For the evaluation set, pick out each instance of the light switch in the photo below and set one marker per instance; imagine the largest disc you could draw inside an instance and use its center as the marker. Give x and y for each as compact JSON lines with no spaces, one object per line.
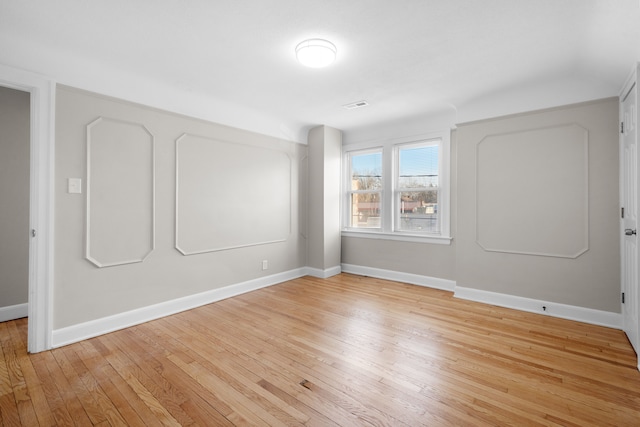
{"x":74,"y":186}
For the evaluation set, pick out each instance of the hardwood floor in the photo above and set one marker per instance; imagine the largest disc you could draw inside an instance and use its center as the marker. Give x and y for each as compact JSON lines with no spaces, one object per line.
{"x":347,"y":351}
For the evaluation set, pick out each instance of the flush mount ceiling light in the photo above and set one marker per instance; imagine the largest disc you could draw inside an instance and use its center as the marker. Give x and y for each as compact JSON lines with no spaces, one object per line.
{"x":316,"y":53}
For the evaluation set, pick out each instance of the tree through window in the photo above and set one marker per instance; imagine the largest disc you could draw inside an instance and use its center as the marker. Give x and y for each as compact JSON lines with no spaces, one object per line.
{"x":398,"y":189}
{"x":417,"y":188}
{"x":366,"y":189}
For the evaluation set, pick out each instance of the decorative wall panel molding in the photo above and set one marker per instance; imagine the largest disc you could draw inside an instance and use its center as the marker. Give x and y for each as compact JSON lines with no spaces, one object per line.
{"x":212,"y":215}
{"x":120,"y":222}
{"x":303,"y":196}
{"x":532,"y":194}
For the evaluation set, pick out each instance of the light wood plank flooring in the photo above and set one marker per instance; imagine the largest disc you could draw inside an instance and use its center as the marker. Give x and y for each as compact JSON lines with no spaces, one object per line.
{"x":346,"y":351}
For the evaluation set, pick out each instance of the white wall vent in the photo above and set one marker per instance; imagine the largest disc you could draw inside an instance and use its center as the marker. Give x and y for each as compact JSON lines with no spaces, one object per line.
{"x":358,"y":104}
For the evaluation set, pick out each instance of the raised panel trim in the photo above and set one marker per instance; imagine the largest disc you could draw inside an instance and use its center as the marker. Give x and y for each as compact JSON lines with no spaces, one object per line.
{"x":187,"y":252}
{"x":88,"y":256}
{"x":581,"y":250}
{"x":303,"y":203}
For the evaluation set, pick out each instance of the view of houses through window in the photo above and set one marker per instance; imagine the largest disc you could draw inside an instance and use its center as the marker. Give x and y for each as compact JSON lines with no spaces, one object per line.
{"x":366,"y":189}
{"x":414,"y":188}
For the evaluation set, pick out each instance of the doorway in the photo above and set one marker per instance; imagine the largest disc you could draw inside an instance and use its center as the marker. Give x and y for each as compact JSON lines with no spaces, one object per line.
{"x":41,"y":92}
{"x":14,"y":203}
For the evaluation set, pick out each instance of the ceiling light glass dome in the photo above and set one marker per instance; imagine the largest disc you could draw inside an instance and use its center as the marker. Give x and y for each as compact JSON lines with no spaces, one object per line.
{"x":316,"y":53}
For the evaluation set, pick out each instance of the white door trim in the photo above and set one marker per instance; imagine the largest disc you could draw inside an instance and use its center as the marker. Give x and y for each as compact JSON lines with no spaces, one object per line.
{"x":41,"y":201}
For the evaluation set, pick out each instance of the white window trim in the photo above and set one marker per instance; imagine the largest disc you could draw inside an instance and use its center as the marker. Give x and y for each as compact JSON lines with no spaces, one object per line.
{"x":347,"y":190}
{"x":396,"y":188}
{"x":389,"y":162}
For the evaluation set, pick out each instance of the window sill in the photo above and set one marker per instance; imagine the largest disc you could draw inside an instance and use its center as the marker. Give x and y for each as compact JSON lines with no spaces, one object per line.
{"x":403,"y":237}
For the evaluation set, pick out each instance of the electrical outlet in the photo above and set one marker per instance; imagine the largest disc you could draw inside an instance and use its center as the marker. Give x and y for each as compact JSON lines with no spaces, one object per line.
{"x":265,"y":264}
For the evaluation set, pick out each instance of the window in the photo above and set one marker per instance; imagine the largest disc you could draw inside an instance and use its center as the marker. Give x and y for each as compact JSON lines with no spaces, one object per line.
{"x":365,"y":189}
{"x":398,"y":189}
{"x":416,"y":188}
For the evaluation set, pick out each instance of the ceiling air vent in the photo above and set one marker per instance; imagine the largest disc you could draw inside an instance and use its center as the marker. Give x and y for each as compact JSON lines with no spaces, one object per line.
{"x":354,"y":105}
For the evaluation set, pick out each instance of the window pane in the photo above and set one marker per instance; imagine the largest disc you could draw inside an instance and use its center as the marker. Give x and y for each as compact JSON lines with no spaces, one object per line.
{"x":418,"y":167}
{"x":418,"y":211}
{"x":366,"y":171}
{"x":365,"y":210}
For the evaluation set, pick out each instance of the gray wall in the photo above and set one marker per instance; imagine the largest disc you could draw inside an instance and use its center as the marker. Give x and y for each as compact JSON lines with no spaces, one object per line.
{"x":94,"y":277}
{"x":538,"y":211}
{"x":555,"y":240}
{"x":432,"y":260}
{"x":125,"y":249}
{"x":14,"y":197}
{"x":325,"y":145}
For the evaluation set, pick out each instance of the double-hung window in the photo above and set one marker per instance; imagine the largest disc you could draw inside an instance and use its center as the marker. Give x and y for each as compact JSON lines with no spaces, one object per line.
{"x":365,"y":188}
{"x":398,"y":189}
{"x":416,"y":187}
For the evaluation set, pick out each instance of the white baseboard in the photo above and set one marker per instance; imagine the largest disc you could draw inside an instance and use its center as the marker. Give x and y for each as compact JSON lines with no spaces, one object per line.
{"x":414,"y":279}
{"x":563,"y":311}
{"x":323,"y":274}
{"x":93,"y":328}
{"x":14,"y":312}
{"x":570,"y":312}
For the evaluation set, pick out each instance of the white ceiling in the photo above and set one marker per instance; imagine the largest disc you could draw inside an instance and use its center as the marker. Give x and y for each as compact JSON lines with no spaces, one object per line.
{"x":233,"y":61}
